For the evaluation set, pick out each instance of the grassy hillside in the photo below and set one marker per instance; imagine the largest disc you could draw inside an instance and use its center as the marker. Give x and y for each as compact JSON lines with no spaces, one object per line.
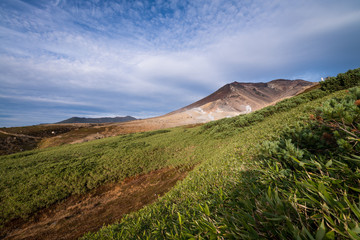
{"x":219,"y":199}
{"x":35,"y":179}
{"x":235,"y":192}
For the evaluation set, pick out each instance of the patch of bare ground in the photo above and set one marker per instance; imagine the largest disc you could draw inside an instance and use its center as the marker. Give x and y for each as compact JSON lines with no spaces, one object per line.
{"x":73,"y":217}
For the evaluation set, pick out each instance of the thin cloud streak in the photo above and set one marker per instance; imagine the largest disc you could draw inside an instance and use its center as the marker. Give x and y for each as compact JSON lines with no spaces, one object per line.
{"x":46,"y":100}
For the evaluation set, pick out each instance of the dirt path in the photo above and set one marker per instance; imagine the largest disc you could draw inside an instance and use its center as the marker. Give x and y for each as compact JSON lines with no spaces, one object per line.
{"x":80,"y":214}
{"x":18,"y":135}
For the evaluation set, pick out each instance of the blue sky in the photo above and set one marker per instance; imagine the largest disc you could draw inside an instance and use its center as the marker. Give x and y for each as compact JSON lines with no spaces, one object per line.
{"x":60,"y":58}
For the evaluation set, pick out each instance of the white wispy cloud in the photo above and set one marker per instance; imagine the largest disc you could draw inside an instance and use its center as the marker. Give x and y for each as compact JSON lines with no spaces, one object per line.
{"x":167,"y":52}
{"x":46,"y":100}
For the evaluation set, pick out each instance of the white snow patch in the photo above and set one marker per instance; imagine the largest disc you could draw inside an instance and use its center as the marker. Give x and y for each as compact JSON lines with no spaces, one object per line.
{"x":248,"y":109}
{"x":200,"y":110}
{"x":211,"y":117}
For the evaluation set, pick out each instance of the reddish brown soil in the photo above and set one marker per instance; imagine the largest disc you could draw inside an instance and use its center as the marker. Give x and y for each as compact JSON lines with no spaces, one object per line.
{"x":77,"y":215}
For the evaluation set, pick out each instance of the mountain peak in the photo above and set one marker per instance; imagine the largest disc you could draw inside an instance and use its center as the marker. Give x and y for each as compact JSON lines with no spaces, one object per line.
{"x":238,"y":98}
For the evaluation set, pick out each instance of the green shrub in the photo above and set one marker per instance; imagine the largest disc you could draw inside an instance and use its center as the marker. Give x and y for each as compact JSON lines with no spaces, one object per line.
{"x":342,"y":81}
{"x":314,"y":170}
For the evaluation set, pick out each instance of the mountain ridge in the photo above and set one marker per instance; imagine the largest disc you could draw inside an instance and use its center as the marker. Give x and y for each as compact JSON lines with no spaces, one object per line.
{"x":97,"y":120}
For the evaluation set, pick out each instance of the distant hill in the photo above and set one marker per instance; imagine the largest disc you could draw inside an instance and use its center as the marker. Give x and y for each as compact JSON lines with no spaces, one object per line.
{"x":98,"y":120}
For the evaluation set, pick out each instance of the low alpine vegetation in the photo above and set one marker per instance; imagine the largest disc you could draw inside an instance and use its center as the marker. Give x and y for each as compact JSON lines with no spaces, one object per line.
{"x":342,"y":81}
{"x":312,"y":176}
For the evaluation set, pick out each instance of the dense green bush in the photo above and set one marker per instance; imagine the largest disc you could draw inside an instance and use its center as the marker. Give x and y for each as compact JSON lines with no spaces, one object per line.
{"x":342,"y":81}
{"x":311,"y":179}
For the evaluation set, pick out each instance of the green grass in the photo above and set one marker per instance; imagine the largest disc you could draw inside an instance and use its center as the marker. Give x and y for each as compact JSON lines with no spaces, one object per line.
{"x":36,"y":179}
